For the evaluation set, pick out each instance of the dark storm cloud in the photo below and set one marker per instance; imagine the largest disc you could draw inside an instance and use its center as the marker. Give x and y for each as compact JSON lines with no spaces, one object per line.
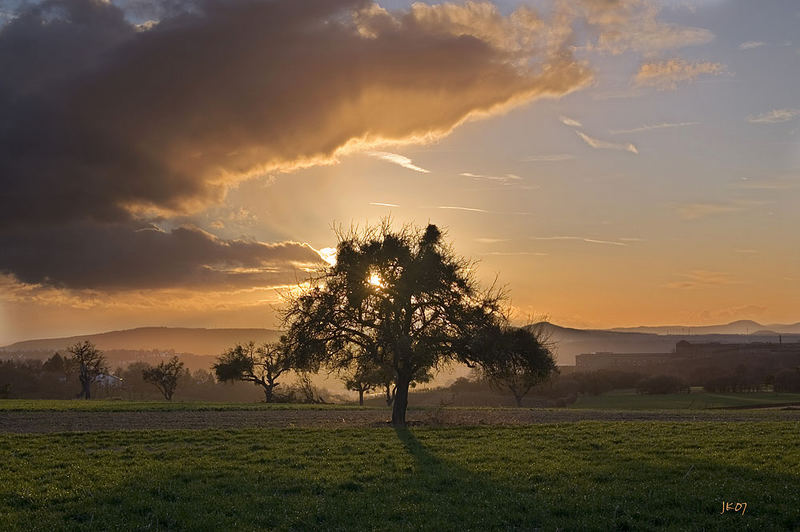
{"x":70,"y":257}
{"x":100,"y":118}
{"x":103,"y":126}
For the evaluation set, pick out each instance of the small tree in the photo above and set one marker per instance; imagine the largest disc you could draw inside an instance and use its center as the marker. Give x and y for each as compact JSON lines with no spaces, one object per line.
{"x":90,"y":362}
{"x":363,"y":379}
{"x":164,"y":376}
{"x":261,"y":365}
{"x":517,"y":360}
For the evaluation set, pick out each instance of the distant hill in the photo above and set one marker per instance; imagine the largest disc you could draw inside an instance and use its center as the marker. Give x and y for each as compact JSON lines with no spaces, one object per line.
{"x":735,"y":327}
{"x":183,"y":340}
{"x":570,"y":342}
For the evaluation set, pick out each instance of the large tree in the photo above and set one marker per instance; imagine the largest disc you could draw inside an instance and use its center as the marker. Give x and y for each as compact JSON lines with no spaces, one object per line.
{"x":262,"y":365}
{"x":90,"y":363}
{"x":517,"y":359}
{"x":164,"y":376}
{"x":401,"y":299}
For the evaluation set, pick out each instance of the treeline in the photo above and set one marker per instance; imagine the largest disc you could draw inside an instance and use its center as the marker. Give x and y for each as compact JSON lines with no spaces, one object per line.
{"x":58,"y":377}
{"x":564,"y":389}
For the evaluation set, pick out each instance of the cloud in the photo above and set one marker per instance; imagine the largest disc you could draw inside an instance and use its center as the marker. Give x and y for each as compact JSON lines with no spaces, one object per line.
{"x":108,"y":125}
{"x":605,"y":145}
{"x":696,"y":211}
{"x":632,"y":25}
{"x":328,"y":255}
{"x":775,"y":116}
{"x":380,"y":204}
{"x":581,"y":239}
{"x":164,"y":119}
{"x":703,"y":279}
{"x":399,"y":160}
{"x":569,"y":121}
{"x":468,"y":209}
{"x":666,"y":75}
{"x":650,"y":127}
{"x":788,"y":182}
{"x":516,"y":253}
{"x":504,"y":178}
{"x":749,"y":45}
{"x":118,"y":256}
{"x":491,"y":240}
{"x":555,"y":157}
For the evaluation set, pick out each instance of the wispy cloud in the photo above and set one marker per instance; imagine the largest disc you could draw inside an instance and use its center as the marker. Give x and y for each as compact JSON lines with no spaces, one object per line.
{"x":703,"y":279}
{"x":468,"y":209}
{"x":397,"y":159}
{"x":380,"y":204}
{"x":633,"y":25}
{"x":516,"y":253}
{"x":633,"y":239}
{"x":779,"y":183}
{"x":605,"y":145}
{"x":581,"y":239}
{"x":503,"y":178}
{"x":555,"y":157}
{"x":774,"y":117}
{"x":696,"y":211}
{"x":749,"y":45}
{"x":650,"y":127}
{"x":491,"y":240}
{"x":665,"y":75}
{"x":567,"y":121}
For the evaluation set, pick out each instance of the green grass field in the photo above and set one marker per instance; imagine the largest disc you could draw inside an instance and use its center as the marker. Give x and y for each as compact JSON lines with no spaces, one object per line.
{"x":577,"y":476}
{"x":697,"y":400}
{"x":105,"y":405}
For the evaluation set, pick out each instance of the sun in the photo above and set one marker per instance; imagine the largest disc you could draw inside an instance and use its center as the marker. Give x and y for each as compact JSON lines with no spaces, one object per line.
{"x":375,"y":280}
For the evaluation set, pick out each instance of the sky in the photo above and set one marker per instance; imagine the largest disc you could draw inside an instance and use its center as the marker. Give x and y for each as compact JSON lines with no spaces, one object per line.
{"x":611,"y":162}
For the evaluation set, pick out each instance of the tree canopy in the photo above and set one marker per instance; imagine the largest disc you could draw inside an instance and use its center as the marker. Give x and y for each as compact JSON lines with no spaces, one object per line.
{"x":399,"y":299}
{"x":517,"y":359}
{"x":262,"y":365}
{"x":90,"y":362}
{"x":164,"y":376}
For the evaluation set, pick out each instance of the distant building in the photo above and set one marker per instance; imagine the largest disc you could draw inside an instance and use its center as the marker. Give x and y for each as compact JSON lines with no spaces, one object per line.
{"x":107,"y":381}
{"x":688,"y":355}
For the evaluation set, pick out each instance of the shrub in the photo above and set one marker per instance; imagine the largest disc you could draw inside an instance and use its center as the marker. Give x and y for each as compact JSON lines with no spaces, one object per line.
{"x":661,"y":384}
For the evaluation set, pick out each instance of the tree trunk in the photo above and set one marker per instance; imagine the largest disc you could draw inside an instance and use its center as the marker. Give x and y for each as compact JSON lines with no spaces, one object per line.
{"x":400,"y":402}
{"x":87,"y":388}
{"x":518,"y":398}
{"x":360,"y":397}
{"x":389,"y":395}
{"x":267,"y":394}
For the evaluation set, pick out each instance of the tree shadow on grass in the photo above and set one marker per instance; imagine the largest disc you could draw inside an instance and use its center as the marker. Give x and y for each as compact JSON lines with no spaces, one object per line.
{"x":457,"y":498}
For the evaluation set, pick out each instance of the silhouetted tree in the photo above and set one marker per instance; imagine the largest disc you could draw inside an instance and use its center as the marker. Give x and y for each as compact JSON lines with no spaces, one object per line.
{"x":261,"y":365}
{"x":363,"y":379}
{"x":55,"y":364}
{"x":90,"y":363}
{"x":164,"y":376}
{"x":518,"y":361}
{"x":402,"y":299}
